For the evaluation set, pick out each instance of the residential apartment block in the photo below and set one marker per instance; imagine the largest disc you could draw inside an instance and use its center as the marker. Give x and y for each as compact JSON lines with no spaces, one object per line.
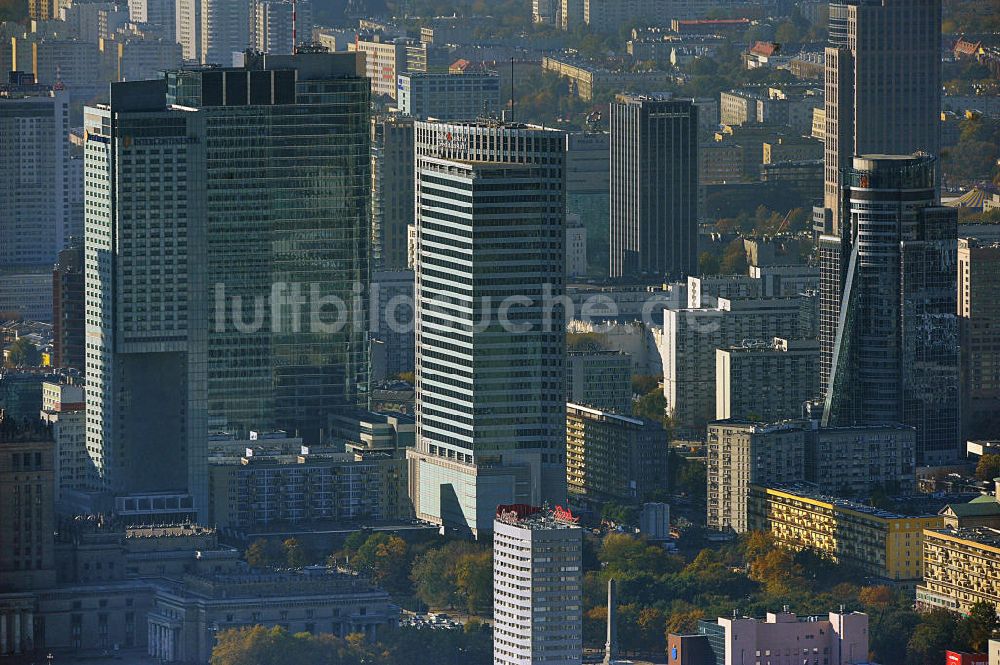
{"x":610,"y":457}
{"x":745,"y":385}
{"x":884,"y":544}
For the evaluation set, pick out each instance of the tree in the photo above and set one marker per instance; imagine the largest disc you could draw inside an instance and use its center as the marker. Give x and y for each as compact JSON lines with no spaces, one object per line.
{"x":295,"y":556}
{"x":643,"y":384}
{"x":618,"y":513}
{"x":652,"y":406}
{"x":264,"y":553}
{"x":386,"y":558}
{"x":684,"y":621}
{"x":432,"y":583}
{"x":787,"y":33}
{"x":407,"y":376}
{"x":932,"y":636}
{"x":474,"y":581}
{"x":23,"y":353}
{"x":734,"y":259}
{"x":778,"y":572}
{"x":708,"y":263}
{"x":980,"y":626}
{"x":988,"y":467}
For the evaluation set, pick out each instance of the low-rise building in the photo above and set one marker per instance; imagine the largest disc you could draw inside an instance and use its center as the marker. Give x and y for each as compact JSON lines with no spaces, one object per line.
{"x":839,"y":639}
{"x":185,"y":615}
{"x":63,"y":412}
{"x":268,"y":490}
{"x":537,"y":586}
{"x":586,"y":77}
{"x":447,"y":96}
{"x":961,"y":568}
{"x":610,"y":457}
{"x":882,"y":543}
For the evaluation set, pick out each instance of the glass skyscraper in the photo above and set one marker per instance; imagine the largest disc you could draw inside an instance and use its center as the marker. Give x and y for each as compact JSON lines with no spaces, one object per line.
{"x":259,"y":177}
{"x":895,"y":356}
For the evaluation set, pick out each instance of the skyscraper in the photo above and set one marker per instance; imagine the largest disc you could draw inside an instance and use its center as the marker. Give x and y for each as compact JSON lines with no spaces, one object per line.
{"x":227,"y":215}
{"x":979,"y":320}
{"x":225,"y":29}
{"x":883,"y":83}
{"x":490,"y":324}
{"x":654,"y":188}
{"x":273,"y":24}
{"x":68,"y":312}
{"x":392,"y":191}
{"x":895,"y":356}
{"x":34,"y":121}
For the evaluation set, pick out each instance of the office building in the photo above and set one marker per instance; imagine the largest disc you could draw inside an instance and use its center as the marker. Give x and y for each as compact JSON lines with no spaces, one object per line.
{"x":537,"y":587}
{"x":837,"y":639}
{"x":842,"y":461}
{"x":273,"y":25}
{"x":883,"y":96}
{"x":745,"y":385}
{"x":961,"y":568}
{"x":853,"y":461}
{"x":27,"y":516}
{"x":63,"y":411}
{"x":33,"y":166}
{"x":884,"y":544}
{"x":978,"y":323}
{"x":452,"y":97}
{"x":26,"y":295}
{"x":895,"y":356}
{"x":576,"y":247}
{"x":137,"y":56}
{"x":393,"y":350}
{"x":362,"y":432}
{"x":74,"y":63}
{"x":654,"y":188}
{"x":187,"y":28}
{"x":265,"y":487}
{"x":225,"y":30}
{"x":692,"y":336}
{"x":159,"y":15}
{"x":173,"y":300}
{"x":600,"y":379}
{"x":491,"y":226}
{"x":67,"y":308}
{"x":611,"y":457}
{"x":392,"y":191}
{"x":588,"y":189}
{"x":883,"y":86}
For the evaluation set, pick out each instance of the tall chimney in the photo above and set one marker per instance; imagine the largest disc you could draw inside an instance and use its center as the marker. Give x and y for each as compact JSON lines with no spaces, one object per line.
{"x":611,"y":646}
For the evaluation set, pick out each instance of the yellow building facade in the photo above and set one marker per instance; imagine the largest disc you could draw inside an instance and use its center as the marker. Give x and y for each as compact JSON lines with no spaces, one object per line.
{"x":961,"y":568}
{"x":883,"y":544}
